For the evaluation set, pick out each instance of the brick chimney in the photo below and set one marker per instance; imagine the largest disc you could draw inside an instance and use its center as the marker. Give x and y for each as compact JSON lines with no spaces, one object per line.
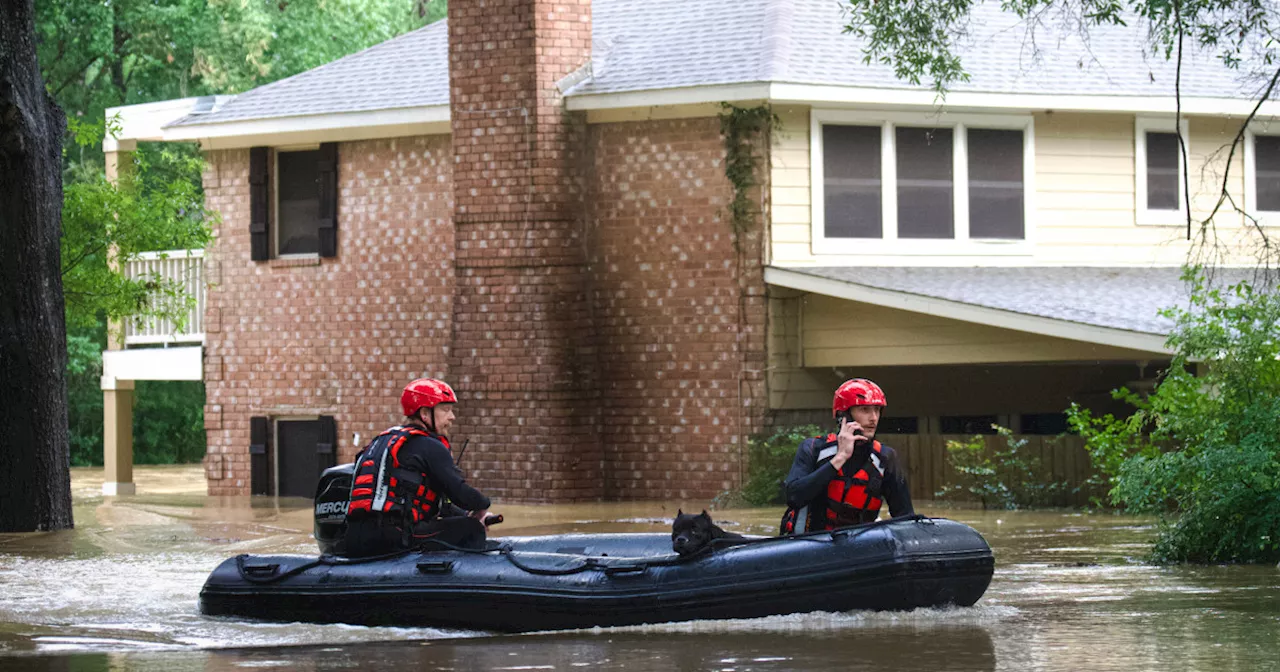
{"x":523,"y":355}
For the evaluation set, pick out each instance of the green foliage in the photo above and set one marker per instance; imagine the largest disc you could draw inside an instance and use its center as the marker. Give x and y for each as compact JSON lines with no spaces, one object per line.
{"x":1005,"y":477}
{"x":918,"y":37}
{"x":769,"y":458}
{"x":743,"y":129}
{"x":168,"y":416}
{"x":95,"y":55}
{"x":141,"y":212}
{"x":84,"y":392}
{"x":1203,"y":452}
{"x":168,"y":422}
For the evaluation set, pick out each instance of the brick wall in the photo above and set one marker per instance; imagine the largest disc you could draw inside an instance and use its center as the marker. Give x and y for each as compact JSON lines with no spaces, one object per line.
{"x":522,"y":357}
{"x":679,"y":311}
{"x":337,"y":336}
{"x":577,"y":284}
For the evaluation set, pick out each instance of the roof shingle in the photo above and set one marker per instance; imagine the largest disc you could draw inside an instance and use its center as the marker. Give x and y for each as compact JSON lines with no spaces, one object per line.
{"x":666,"y":44}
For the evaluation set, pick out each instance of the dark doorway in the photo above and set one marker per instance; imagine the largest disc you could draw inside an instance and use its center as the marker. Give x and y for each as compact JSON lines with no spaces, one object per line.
{"x":304,"y":448}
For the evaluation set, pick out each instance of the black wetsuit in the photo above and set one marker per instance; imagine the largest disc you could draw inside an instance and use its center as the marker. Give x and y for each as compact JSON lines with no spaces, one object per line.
{"x":382,"y":533}
{"x":807,"y":483}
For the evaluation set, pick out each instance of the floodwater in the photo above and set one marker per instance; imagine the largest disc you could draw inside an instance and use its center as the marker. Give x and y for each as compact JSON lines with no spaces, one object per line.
{"x":1070,"y":593}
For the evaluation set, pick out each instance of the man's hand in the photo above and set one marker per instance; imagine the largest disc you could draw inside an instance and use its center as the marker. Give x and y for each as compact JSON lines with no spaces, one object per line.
{"x":846,"y":442}
{"x":479,"y":515}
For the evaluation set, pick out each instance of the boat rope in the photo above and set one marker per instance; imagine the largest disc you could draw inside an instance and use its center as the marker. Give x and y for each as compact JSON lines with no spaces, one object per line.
{"x":269,"y":573}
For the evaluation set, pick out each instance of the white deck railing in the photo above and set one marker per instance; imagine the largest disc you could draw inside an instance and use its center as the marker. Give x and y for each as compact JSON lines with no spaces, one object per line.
{"x":185,"y":267}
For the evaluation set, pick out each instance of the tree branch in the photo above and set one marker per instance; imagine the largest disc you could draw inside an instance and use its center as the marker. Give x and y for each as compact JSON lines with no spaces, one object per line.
{"x":88,"y":251}
{"x":76,"y":73}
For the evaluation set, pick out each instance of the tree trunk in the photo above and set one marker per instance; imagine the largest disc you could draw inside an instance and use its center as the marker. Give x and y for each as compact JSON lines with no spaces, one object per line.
{"x":35,"y":481}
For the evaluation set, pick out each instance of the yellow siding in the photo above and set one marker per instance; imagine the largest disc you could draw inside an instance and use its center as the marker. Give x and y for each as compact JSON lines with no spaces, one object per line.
{"x":1084,"y":196}
{"x":836,"y":332}
{"x":790,"y":385}
{"x":789,"y":181}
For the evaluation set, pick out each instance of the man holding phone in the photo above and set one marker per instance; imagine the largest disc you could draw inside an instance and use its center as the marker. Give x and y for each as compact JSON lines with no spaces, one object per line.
{"x":843,"y":479}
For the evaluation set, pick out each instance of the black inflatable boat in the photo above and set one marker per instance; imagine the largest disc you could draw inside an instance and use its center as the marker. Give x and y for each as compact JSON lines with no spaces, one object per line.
{"x":584,"y":580}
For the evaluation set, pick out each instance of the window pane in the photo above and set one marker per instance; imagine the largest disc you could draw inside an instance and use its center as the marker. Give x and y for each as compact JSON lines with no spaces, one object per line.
{"x":995,"y":184}
{"x":1267,"y":166}
{"x":903,"y":425}
{"x":966,"y":424}
{"x":298,"y":202}
{"x":925,"y":202}
{"x":1045,"y":424}
{"x":1162,"y":171}
{"x":851,"y":181}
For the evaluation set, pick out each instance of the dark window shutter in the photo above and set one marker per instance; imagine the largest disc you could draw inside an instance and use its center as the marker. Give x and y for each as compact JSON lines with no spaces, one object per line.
{"x":327,"y":180}
{"x":327,"y":446}
{"x":259,"y":462}
{"x":259,"y":204}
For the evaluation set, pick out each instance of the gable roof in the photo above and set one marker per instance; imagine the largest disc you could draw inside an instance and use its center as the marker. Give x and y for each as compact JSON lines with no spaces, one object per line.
{"x":661,"y":45}
{"x":680,"y":43}
{"x":408,"y":71}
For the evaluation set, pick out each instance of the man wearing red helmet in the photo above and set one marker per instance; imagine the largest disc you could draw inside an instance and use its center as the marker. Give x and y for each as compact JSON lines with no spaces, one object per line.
{"x":404,"y":475}
{"x":842,"y":479}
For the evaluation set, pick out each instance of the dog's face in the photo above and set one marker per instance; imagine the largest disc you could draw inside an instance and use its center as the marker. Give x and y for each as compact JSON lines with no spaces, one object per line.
{"x":690,"y":533}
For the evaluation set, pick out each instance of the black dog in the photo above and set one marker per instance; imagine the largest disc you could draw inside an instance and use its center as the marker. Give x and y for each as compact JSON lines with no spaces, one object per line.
{"x":690,"y":534}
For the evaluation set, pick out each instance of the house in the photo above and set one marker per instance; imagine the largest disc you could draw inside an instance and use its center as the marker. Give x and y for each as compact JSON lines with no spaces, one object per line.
{"x":529,"y":201}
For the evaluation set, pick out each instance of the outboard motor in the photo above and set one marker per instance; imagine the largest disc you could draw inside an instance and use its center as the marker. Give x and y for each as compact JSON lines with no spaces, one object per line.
{"x":333,"y":493}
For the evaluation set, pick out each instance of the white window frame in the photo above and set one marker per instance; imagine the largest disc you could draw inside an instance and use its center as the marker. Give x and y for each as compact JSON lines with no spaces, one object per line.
{"x":1145,"y":216}
{"x":1256,"y":128}
{"x":275,"y":200}
{"x":890,"y":243}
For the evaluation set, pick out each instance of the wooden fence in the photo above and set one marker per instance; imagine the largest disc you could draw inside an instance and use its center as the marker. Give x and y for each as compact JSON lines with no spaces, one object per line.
{"x":1061,"y":459}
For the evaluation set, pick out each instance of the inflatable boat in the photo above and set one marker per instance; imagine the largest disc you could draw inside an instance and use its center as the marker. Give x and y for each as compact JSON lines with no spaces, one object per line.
{"x":520,"y":584}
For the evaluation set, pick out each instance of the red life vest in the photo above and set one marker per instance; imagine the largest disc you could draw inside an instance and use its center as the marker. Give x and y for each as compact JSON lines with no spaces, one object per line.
{"x":855,"y":495}
{"x":381,"y":485}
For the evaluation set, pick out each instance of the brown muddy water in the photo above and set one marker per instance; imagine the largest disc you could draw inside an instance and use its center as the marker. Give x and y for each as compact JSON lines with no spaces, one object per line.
{"x":1070,"y":593}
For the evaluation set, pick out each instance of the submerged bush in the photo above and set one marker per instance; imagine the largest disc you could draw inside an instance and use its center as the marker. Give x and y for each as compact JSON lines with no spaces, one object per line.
{"x":769,"y":458}
{"x":1203,"y":452}
{"x":1005,"y":477}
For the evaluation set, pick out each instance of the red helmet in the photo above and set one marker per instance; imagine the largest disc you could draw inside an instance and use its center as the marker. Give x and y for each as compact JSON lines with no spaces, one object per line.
{"x":857,"y":392}
{"x":426,"y":393}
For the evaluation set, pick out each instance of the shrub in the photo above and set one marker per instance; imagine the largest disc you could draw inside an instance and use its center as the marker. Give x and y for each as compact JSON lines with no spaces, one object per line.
{"x":769,"y":458}
{"x":1203,"y":452}
{"x":1000,"y":478}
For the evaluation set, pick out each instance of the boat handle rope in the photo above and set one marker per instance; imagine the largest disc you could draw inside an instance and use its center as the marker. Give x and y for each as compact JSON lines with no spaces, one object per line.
{"x":255,"y":573}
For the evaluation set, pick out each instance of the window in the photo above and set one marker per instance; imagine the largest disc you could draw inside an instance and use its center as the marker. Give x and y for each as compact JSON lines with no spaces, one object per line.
{"x":852,"y":181}
{"x":297,"y":202}
{"x":1044,"y":424}
{"x":294,"y":201}
{"x":967,"y":424}
{"x":997,"y":201}
{"x":899,"y":425}
{"x":1262,"y":173}
{"x":1266,"y":152}
{"x":926,"y":183}
{"x":1159,"y":171}
{"x":920,"y":184}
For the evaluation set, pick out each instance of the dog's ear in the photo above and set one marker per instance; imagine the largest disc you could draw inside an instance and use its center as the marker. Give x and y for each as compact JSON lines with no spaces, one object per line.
{"x":679,"y":512}
{"x":704,"y":514}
